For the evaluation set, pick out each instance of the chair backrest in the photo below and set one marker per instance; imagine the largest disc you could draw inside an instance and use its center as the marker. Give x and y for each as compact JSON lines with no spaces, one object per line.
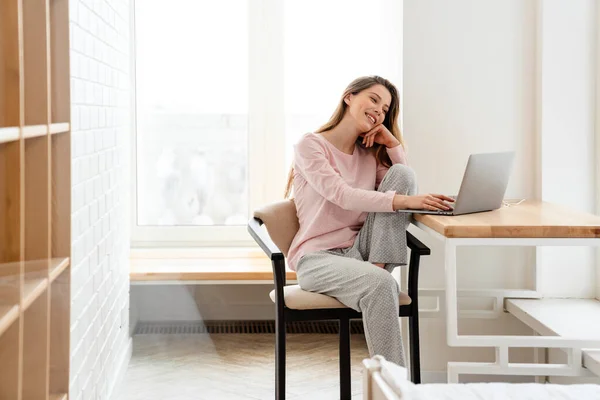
{"x":281,"y":221}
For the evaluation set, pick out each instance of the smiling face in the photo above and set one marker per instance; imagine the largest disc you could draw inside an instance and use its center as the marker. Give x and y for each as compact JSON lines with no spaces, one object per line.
{"x":369,"y":107}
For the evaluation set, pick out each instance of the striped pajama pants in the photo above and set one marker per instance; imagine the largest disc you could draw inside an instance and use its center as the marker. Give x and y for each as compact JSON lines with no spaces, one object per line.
{"x":349,"y":275}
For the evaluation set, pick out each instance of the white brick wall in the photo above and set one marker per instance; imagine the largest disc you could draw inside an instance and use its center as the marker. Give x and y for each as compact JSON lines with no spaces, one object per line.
{"x":100,"y":343}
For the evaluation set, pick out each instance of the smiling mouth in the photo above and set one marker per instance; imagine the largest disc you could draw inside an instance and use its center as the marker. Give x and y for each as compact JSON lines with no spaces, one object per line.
{"x":370,"y":118}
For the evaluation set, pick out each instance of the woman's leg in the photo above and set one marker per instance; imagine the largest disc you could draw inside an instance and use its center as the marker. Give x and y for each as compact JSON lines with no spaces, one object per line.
{"x":362,"y":287}
{"x":382,"y":239}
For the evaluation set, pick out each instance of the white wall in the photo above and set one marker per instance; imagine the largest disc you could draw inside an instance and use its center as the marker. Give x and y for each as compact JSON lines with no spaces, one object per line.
{"x":201,"y":302}
{"x":469,"y":70}
{"x":469,"y":86}
{"x":567,"y":90}
{"x":566,"y":112}
{"x":597,"y":178}
{"x":100,"y":344}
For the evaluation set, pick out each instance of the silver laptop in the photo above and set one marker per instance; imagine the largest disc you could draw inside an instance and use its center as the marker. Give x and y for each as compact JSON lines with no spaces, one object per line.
{"x":483,"y":186}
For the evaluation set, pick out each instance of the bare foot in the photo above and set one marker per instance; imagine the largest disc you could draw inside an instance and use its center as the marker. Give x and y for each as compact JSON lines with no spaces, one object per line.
{"x":380,"y":265}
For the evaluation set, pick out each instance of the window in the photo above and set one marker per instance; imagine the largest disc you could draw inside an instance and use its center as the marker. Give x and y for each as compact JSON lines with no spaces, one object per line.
{"x":223,"y":90}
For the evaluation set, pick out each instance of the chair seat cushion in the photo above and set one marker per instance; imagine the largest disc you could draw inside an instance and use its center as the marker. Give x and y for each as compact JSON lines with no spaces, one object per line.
{"x":298,"y":299}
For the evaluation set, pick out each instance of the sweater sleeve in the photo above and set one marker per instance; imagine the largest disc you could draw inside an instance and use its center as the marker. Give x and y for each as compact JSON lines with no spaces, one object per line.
{"x":311,"y":160}
{"x":397,"y":155}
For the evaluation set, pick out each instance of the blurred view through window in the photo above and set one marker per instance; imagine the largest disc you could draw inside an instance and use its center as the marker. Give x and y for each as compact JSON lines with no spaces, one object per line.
{"x":192,"y":111}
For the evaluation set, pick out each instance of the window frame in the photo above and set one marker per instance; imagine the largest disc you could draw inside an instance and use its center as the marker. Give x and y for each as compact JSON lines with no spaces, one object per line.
{"x":265,"y":114}
{"x":266,"y":124}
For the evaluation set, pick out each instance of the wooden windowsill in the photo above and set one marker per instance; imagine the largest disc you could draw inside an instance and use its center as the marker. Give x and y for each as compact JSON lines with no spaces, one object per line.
{"x":142,"y":253}
{"x":212,"y":264}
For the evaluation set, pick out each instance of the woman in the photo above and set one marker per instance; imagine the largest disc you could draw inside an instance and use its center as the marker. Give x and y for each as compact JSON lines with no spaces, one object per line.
{"x":349,"y":177}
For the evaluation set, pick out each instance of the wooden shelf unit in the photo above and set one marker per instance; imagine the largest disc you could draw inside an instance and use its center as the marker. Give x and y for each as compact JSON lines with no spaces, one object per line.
{"x":35,"y":200}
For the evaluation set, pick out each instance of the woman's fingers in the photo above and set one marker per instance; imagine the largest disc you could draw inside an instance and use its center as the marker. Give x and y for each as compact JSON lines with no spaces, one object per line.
{"x":443,"y":205}
{"x":439,"y":201}
{"x":373,"y":130}
{"x":442,"y":197}
{"x":369,"y":137}
{"x":434,"y":207}
{"x":434,"y":202}
{"x":437,"y":204}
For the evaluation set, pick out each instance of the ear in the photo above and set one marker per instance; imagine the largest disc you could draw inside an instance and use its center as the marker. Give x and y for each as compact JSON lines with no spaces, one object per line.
{"x":347,"y":99}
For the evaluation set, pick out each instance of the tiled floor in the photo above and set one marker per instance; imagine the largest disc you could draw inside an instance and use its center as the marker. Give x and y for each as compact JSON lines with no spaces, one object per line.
{"x":236,"y":366}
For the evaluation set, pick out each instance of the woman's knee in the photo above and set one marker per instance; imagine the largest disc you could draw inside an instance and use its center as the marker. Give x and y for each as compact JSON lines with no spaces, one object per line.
{"x":400,"y":178}
{"x":383,"y":281}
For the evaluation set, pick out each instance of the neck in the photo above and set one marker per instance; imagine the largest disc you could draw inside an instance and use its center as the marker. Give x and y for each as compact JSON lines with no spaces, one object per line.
{"x":344,"y":135}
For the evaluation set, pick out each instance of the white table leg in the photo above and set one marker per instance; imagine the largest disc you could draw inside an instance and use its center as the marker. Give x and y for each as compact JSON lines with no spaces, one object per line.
{"x":502,"y":343}
{"x":451,"y":292}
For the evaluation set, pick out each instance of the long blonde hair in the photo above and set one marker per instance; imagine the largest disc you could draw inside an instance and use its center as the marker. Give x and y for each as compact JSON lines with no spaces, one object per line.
{"x":390,"y":121}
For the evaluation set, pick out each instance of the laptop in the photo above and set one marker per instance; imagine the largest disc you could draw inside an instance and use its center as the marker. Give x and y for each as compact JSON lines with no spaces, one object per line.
{"x":483,"y":186}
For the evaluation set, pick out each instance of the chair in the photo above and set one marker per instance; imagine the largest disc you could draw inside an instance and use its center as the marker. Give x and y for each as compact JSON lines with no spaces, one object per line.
{"x":294,"y":304}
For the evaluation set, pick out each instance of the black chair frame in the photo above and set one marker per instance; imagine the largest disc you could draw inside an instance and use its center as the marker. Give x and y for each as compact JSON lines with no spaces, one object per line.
{"x":344,"y":315}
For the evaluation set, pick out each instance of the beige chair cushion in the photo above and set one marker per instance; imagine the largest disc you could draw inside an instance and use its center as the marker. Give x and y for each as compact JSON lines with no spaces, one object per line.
{"x":281,"y":221}
{"x":299,"y":299}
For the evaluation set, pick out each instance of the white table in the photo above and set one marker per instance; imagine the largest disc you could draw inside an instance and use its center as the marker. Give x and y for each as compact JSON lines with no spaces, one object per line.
{"x":532,"y":223}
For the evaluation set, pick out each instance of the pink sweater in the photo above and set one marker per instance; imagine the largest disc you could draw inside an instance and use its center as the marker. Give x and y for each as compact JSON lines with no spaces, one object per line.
{"x":333,"y":192}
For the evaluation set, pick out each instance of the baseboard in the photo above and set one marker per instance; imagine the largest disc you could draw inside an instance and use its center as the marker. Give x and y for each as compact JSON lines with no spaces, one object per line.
{"x":121,"y":369}
{"x":241,"y":326}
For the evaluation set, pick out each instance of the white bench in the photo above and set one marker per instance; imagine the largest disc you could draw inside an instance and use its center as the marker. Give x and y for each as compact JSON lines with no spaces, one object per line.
{"x":568,"y":318}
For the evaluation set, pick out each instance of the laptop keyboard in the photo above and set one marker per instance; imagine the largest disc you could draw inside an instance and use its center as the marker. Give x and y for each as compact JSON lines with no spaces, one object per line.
{"x":441,"y":212}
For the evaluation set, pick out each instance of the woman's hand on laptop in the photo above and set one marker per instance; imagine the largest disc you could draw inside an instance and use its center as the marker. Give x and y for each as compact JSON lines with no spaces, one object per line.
{"x":432,"y":202}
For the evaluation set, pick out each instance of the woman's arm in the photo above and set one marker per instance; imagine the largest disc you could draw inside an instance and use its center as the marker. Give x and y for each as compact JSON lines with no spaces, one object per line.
{"x":312,"y":162}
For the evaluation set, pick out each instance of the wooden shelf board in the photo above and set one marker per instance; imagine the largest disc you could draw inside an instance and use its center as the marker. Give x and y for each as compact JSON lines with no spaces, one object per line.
{"x":61,"y":127}
{"x":8,"y":315}
{"x":57,"y":266}
{"x":34,"y":286}
{"x":32,"y":131}
{"x":10,"y":283}
{"x":33,"y":266}
{"x":62,"y":396}
{"x":9,"y":134}
{"x":10,"y":274}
